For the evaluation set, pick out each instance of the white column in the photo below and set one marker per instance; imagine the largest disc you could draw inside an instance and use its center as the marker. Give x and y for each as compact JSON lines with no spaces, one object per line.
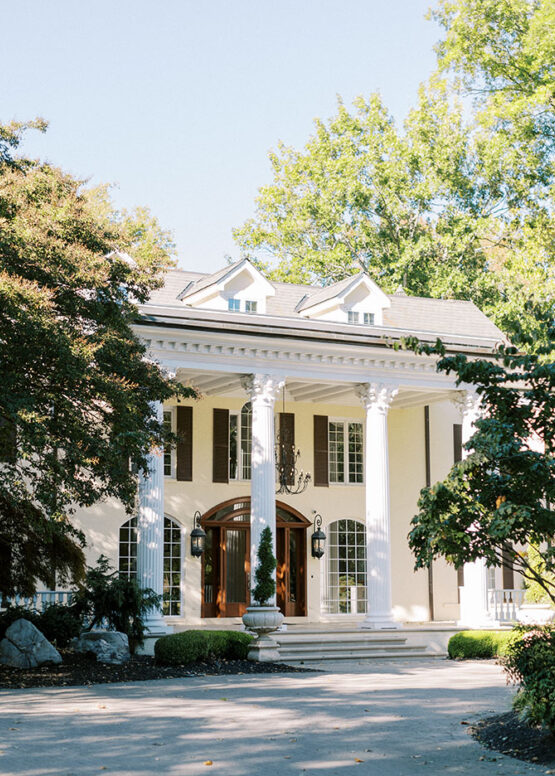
{"x":474,"y":595}
{"x":262,"y":390}
{"x":150,"y":529}
{"x":376,"y":398}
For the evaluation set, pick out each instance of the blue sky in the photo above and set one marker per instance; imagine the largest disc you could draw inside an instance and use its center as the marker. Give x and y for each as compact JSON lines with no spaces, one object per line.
{"x":178,"y":102}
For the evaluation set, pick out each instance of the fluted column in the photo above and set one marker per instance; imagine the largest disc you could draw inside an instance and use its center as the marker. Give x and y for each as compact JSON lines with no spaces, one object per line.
{"x":474,"y":595}
{"x":376,"y":398}
{"x":150,"y":529}
{"x":262,"y":390}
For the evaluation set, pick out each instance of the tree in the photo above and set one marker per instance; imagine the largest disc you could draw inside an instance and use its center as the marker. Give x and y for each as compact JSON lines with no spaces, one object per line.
{"x":499,"y":499}
{"x":77,"y":386}
{"x":265,"y":585}
{"x":457,"y":203}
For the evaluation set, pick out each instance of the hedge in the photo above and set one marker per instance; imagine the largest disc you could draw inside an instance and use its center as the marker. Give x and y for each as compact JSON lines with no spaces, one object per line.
{"x":201,"y":645}
{"x":467,"y":645}
{"x":59,"y":623}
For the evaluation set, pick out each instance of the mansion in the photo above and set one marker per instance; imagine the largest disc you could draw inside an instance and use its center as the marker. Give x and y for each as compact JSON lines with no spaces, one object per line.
{"x":305,"y":416}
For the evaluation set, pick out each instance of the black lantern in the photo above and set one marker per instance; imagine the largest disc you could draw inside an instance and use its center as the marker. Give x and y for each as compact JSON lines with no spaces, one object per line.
{"x":318,"y":538}
{"x":198,"y":537}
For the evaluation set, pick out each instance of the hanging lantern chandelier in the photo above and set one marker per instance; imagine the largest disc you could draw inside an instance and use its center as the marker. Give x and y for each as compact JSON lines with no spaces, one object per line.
{"x":290,"y":480}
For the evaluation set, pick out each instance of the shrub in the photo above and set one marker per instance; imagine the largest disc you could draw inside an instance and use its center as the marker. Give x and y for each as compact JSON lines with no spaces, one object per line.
{"x":265,"y":585}
{"x":199,"y":645}
{"x":467,"y":645}
{"x":59,"y":623}
{"x":530,"y":663}
{"x":116,"y":601}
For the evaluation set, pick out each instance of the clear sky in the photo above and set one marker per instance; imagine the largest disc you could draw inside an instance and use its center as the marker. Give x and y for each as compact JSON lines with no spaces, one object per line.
{"x":177,"y":102}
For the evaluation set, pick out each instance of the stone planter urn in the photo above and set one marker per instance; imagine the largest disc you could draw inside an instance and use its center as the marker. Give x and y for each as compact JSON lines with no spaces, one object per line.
{"x":263,"y":620}
{"x":535,"y":614}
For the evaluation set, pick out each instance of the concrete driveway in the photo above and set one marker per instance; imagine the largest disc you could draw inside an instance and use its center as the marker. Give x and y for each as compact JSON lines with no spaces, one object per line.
{"x":390,"y":719}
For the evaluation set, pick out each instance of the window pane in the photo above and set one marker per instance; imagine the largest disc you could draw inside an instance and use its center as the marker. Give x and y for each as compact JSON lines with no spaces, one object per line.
{"x":336,"y":446}
{"x":233,"y":304}
{"x":171,"y":595}
{"x":167,"y":453}
{"x":246,"y":441}
{"x":250,"y":306}
{"x":345,"y":580}
{"x":352,"y":317}
{"x":355,"y":452}
{"x":369,"y":319}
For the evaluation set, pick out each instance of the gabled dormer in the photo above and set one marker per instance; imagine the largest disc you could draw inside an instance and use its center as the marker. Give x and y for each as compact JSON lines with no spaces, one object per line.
{"x":240,"y":287}
{"x":356,"y":300}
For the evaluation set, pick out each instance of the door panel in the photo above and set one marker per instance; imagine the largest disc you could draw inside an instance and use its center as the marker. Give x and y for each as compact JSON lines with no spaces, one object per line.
{"x":235,"y":589}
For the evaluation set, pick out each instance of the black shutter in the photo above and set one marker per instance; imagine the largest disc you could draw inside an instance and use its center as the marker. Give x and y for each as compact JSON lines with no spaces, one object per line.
{"x":321,"y":476}
{"x":287,"y":445}
{"x":508,"y":571}
{"x":220,"y":457}
{"x":8,"y":441}
{"x":457,"y":442}
{"x":184,"y":428}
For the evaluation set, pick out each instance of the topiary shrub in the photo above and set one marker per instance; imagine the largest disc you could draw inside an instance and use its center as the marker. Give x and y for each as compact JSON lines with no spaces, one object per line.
{"x":193,"y":646}
{"x":265,"y":584}
{"x":530,"y":663}
{"x":468,"y":645}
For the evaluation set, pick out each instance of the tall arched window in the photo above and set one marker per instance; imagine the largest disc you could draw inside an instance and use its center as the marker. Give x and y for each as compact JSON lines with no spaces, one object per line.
{"x":345,"y":582}
{"x":171,"y":602}
{"x":240,"y":443}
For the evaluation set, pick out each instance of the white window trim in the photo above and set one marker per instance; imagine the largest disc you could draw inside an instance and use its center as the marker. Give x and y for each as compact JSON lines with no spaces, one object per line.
{"x":181,"y":572}
{"x":173,"y":451}
{"x":345,"y":422}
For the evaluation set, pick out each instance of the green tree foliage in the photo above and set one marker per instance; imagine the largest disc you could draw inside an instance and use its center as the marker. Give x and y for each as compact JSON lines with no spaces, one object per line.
{"x":106,"y":597}
{"x":501,"y":495}
{"x":77,"y":387}
{"x":456,"y":203}
{"x":265,"y":584}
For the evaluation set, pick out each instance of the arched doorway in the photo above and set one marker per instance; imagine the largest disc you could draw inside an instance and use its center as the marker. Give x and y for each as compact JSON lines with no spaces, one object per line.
{"x":226,"y":560}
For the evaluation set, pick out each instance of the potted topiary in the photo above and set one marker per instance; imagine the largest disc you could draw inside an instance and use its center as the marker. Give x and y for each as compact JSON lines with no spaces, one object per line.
{"x":264,"y":618}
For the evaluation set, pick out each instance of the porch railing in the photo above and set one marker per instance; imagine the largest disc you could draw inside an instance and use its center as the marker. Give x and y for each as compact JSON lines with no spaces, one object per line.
{"x":40,"y":600}
{"x":503,"y":604}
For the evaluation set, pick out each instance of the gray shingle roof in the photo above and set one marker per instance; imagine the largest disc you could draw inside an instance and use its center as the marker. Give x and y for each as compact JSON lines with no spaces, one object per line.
{"x":407,"y":313}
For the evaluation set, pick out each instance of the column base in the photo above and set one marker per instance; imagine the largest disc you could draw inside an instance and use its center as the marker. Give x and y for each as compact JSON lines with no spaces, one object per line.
{"x":375,"y":622}
{"x":157,"y":626}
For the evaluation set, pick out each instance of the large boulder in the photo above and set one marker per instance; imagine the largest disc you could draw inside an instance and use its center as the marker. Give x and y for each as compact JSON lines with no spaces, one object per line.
{"x":108,"y":646}
{"x":24,"y":646}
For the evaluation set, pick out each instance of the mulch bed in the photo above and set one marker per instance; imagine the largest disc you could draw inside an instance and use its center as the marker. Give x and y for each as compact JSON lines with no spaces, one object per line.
{"x":79,"y":669}
{"x":507,"y":734}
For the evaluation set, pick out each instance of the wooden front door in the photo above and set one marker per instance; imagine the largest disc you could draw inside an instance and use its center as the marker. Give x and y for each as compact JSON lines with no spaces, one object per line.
{"x":226,"y":560}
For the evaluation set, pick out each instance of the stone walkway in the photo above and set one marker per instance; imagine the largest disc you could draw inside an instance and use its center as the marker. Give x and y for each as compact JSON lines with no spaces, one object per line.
{"x":396,"y":719}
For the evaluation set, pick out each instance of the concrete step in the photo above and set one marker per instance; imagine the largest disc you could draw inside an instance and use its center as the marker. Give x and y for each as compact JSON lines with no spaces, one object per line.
{"x":376,"y":655}
{"x":346,"y":644}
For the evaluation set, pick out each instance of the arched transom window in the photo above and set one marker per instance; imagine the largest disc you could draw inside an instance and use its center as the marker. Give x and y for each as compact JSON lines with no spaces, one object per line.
{"x":172,"y":560}
{"x":345,"y":582}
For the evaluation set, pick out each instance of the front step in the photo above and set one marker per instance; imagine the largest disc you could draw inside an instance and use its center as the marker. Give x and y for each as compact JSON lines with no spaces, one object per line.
{"x":316,"y":646}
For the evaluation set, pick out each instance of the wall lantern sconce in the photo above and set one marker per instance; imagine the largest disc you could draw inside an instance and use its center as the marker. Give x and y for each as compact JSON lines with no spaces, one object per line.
{"x":318,"y":538}
{"x":198,"y":537}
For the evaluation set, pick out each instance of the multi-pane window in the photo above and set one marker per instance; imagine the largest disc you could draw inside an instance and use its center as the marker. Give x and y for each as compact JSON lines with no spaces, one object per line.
{"x":240,"y":443}
{"x":234,"y":304}
{"x":171,"y":593}
{"x":250,"y":306}
{"x":168,"y":453}
{"x":345,"y":448}
{"x":368,"y":319}
{"x":345,"y":581}
{"x":352,"y":317}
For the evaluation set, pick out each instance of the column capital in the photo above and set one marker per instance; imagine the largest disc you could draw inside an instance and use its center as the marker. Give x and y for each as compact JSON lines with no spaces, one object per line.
{"x":262,"y":388}
{"x":468,"y":402}
{"x":376,"y":395}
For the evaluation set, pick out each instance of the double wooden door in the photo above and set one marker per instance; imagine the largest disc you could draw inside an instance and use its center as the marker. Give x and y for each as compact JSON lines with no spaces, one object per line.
{"x":226,"y":562}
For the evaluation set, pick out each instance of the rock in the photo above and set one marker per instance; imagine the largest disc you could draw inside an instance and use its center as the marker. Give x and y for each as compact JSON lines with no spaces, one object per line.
{"x":108,"y":646}
{"x":24,"y":646}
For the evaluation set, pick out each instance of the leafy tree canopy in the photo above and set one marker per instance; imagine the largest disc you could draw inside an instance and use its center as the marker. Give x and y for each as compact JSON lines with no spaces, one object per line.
{"x":456,"y":203}
{"x":499,"y":499}
{"x":77,"y":387}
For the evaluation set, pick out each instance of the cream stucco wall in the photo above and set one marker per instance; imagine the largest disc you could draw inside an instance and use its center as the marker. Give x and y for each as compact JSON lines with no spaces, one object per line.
{"x":407,"y":476}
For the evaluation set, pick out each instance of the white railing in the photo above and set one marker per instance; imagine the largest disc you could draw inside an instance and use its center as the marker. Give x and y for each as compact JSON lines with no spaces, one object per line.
{"x":40,"y":600}
{"x":503,"y":604}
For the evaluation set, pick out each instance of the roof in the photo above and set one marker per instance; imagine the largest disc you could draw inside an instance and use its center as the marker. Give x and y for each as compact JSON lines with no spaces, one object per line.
{"x":406,"y":315}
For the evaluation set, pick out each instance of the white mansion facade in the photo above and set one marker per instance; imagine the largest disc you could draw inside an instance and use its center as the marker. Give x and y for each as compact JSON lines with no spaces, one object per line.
{"x":280,"y":368}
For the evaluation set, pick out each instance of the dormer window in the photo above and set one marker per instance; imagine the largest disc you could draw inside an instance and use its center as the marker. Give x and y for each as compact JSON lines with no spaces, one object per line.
{"x":234,"y":304}
{"x":368,"y":319}
{"x":250,"y":306}
{"x":352,"y":317}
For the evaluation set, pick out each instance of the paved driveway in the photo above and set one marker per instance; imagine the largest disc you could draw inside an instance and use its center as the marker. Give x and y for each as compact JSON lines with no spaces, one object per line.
{"x":395,"y":719}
